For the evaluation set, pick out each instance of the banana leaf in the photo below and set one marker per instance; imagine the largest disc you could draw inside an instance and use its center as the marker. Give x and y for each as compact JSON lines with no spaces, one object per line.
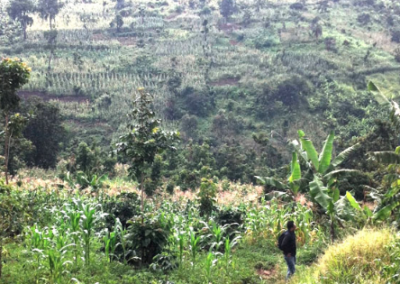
{"x":379,"y":96}
{"x":386,"y":157}
{"x":325,"y":156}
{"x":271,"y":182}
{"x":353,"y":201}
{"x":344,"y":154}
{"x":312,"y":154}
{"x":295,"y":169}
{"x":337,"y":173}
{"x":385,"y":212}
{"x":320,"y":193}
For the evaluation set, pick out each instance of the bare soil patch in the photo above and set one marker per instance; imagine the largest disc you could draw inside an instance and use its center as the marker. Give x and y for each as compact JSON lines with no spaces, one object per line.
{"x":266,"y":274}
{"x":47,"y":97}
{"x":229,"y":27}
{"x":127,"y":41}
{"x":226,"y":82}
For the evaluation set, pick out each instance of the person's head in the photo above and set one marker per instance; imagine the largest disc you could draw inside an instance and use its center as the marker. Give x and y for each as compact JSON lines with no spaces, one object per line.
{"x":291,"y":226}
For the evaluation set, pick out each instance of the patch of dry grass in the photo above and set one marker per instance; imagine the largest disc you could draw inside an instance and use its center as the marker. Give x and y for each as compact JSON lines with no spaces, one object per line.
{"x":357,"y":259}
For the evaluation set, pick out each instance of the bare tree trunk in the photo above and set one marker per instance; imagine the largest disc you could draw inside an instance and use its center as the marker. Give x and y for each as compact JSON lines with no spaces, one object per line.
{"x":1,"y":253}
{"x":142,"y":192}
{"x":332,"y":230}
{"x":6,"y":146}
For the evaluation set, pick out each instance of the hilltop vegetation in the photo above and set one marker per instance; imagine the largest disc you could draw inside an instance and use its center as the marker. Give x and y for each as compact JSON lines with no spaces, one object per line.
{"x":237,"y":77}
{"x":170,"y":141}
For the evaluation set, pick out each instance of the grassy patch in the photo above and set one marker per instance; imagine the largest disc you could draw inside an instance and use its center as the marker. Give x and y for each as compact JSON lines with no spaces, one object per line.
{"x":357,"y":259}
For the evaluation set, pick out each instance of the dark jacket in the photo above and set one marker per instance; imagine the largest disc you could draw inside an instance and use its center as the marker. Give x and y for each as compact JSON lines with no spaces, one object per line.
{"x":289,"y":243}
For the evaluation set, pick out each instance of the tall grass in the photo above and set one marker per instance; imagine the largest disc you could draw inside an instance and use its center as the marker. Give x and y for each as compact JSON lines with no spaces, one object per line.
{"x":358,"y":259}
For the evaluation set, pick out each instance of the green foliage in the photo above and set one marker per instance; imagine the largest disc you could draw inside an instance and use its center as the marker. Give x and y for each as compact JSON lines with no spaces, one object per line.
{"x":207,"y":196}
{"x":48,"y":10}
{"x":148,"y":237}
{"x":145,"y":140}
{"x":13,"y":75}
{"x":19,"y":10}
{"x":227,"y":8}
{"x":45,"y":131}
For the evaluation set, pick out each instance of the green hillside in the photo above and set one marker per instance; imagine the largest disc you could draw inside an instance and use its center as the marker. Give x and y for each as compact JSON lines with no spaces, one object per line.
{"x":271,"y":68}
{"x":173,"y":142}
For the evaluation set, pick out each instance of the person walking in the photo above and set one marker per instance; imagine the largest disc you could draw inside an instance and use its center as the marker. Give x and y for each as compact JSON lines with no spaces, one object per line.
{"x":287,"y":243}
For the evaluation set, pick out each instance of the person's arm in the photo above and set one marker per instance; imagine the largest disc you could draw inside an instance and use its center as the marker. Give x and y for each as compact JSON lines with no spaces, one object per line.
{"x":285,"y":242}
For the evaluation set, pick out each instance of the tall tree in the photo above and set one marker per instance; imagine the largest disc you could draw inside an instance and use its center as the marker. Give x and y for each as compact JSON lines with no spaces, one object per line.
{"x":48,"y":10}
{"x":19,"y":10}
{"x":45,"y":130}
{"x":227,"y":8}
{"x":144,"y":140}
{"x":13,"y":75}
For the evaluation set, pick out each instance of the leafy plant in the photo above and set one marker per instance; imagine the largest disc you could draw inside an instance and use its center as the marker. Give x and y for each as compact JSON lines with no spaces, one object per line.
{"x":148,"y":237}
{"x":207,"y":195}
{"x":323,"y":186}
{"x":194,"y":247}
{"x":144,"y":140}
{"x":292,"y":185}
{"x":87,"y":227}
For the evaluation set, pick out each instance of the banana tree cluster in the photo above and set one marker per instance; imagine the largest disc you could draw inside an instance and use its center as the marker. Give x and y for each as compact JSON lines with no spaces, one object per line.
{"x":320,"y":179}
{"x":323,"y":188}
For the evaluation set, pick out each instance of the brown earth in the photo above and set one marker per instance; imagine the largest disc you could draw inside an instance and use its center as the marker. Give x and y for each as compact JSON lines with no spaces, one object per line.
{"x":47,"y":97}
{"x":225,"y":82}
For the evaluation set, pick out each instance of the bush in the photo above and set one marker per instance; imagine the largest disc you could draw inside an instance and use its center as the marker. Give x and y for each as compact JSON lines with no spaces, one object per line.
{"x":297,"y":6}
{"x":230,"y":216}
{"x":148,"y":236}
{"x":396,"y":35}
{"x":364,"y":19}
{"x":292,"y":91}
{"x":207,"y":195}
{"x":352,"y":260}
{"x":170,"y":188}
{"x":125,"y":206}
{"x":261,"y":42}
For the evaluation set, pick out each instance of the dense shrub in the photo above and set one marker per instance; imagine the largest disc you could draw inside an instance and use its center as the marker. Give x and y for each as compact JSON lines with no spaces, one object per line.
{"x":292,"y":91}
{"x":297,"y":6}
{"x":207,"y":196}
{"x":364,"y":19}
{"x":197,"y":102}
{"x":125,"y":206}
{"x":148,"y":235}
{"x":396,"y":35}
{"x":230,"y":216}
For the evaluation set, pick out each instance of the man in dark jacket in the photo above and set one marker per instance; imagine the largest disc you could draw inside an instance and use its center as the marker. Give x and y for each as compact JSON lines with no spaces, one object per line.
{"x":289,"y":248}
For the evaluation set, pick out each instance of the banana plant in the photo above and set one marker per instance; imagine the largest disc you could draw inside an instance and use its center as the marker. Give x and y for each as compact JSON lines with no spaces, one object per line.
{"x":389,"y":201}
{"x":323,"y":188}
{"x":291,"y":187}
{"x":385,"y":99}
{"x":336,"y":207}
